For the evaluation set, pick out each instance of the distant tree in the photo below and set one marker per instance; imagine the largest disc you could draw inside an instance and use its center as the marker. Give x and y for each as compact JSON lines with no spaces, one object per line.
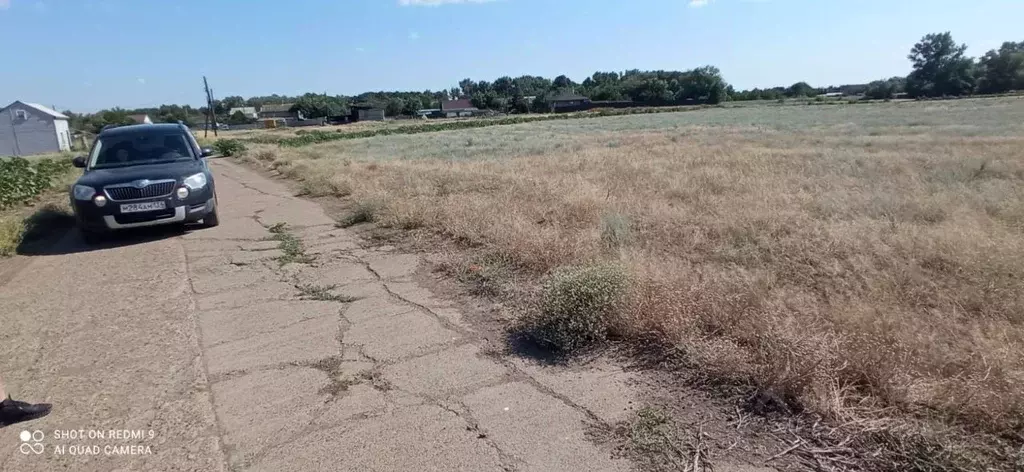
{"x":239,"y":118}
{"x":562,"y":82}
{"x":880,"y":90}
{"x":519,"y":104}
{"x":603,"y":92}
{"x":315,"y":105}
{"x":275,"y":98}
{"x":503,"y":86}
{"x":940,"y":67}
{"x":531,"y":86}
{"x":394,"y":106}
{"x":114,"y":116}
{"x":704,"y":83}
{"x":801,"y":89}
{"x":648,"y":89}
{"x":172,"y":114}
{"x":482,"y":86}
{"x":858,"y":89}
{"x":430,"y":100}
{"x":486,"y":100}
{"x":604,"y":78}
{"x":232,"y":102}
{"x":410,"y":107}
{"x":729,"y":92}
{"x":540,"y":104}
{"x":466,"y":87}
{"x":1002,"y":70}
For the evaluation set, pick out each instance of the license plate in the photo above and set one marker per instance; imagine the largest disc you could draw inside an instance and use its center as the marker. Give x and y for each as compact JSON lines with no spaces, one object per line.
{"x":147,"y":206}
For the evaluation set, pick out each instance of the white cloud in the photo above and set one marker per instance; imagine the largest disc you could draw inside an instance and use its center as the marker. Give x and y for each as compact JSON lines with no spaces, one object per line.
{"x":434,"y":3}
{"x":141,"y":80}
{"x":413,"y":36}
{"x":699,"y":3}
{"x":360,"y":49}
{"x":5,"y":4}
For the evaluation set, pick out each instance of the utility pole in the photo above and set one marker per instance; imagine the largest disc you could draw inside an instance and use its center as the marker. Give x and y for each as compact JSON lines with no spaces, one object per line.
{"x":211,"y":116}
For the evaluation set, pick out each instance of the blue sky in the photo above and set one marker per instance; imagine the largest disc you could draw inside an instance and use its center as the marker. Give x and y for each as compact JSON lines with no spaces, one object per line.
{"x":85,"y":55}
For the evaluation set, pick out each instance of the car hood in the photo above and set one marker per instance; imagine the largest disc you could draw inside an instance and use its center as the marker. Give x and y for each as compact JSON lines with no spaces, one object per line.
{"x":172,"y":170}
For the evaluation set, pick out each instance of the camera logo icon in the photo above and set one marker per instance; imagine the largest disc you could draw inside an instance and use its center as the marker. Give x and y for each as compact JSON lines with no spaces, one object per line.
{"x":32,"y":442}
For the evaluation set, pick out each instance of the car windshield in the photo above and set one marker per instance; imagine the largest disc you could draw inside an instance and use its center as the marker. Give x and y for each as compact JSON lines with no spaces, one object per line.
{"x":139,"y":148}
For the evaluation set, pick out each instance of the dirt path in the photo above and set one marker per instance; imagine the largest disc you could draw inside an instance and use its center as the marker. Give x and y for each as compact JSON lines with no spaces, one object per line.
{"x":205,"y":345}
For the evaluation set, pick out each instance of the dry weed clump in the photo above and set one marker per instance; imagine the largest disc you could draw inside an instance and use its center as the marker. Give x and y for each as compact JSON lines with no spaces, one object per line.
{"x":578,"y":306}
{"x":854,"y":266}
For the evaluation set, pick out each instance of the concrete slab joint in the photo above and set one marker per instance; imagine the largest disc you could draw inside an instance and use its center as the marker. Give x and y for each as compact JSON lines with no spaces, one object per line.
{"x":340,"y":361}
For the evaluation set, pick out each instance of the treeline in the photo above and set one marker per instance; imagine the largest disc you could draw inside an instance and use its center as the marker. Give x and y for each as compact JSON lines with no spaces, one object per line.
{"x":515,"y":95}
{"x":95,"y":122}
{"x":939,"y":68}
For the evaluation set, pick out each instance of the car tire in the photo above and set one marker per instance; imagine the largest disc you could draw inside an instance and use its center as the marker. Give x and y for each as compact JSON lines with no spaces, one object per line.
{"x":211,"y":220}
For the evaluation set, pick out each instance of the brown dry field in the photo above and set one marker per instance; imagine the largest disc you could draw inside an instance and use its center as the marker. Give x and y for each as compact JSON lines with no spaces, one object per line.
{"x":862,"y":262}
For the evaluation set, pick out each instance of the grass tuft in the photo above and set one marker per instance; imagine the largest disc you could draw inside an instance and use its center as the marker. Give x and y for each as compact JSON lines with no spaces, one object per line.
{"x":615,"y":231}
{"x":229,"y":147}
{"x":325,"y":185}
{"x":12,"y":229}
{"x":650,"y":431}
{"x":291,"y":246}
{"x":578,"y":306}
{"x":364,"y":211}
{"x":322,"y":293}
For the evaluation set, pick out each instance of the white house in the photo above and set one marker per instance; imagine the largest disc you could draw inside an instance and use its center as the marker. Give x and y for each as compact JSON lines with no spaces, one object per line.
{"x":142,"y":119}
{"x":30,"y":128}
{"x":248,"y":112}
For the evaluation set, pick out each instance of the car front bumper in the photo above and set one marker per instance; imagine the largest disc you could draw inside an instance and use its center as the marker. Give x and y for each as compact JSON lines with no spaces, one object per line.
{"x":109,"y":217}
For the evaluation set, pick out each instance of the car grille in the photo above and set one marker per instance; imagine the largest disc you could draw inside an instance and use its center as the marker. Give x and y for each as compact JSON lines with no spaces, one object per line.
{"x":156,"y":189}
{"x":129,"y":218}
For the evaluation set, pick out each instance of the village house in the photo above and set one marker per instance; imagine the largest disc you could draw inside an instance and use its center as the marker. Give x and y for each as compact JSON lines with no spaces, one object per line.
{"x":142,"y":119}
{"x":457,"y":108}
{"x":567,"y":102}
{"x":271,"y":111}
{"x":30,"y":128}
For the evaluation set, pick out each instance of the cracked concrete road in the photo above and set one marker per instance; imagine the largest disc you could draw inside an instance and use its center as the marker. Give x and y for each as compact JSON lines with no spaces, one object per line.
{"x":226,"y":359}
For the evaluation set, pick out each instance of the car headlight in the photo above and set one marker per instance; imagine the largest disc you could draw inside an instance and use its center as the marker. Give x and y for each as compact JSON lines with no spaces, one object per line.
{"x":195,"y":182}
{"x":83,"y":192}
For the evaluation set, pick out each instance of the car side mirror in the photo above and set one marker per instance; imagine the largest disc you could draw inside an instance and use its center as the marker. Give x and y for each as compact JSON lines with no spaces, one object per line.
{"x":79,"y":162}
{"x":207,"y":152}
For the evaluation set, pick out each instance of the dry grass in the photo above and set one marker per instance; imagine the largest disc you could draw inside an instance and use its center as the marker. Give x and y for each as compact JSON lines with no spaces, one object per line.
{"x":861,"y":262}
{"x":38,"y":219}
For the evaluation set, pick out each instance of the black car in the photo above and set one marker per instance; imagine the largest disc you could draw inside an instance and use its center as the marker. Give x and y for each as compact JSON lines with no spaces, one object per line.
{"x":143,"y":175}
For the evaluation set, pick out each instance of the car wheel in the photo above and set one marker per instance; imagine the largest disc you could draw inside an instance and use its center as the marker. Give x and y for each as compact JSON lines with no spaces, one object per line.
{"x":211,"y":220}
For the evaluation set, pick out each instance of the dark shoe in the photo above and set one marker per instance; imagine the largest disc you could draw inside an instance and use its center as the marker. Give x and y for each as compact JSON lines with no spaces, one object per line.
{"x":13,"y":411}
